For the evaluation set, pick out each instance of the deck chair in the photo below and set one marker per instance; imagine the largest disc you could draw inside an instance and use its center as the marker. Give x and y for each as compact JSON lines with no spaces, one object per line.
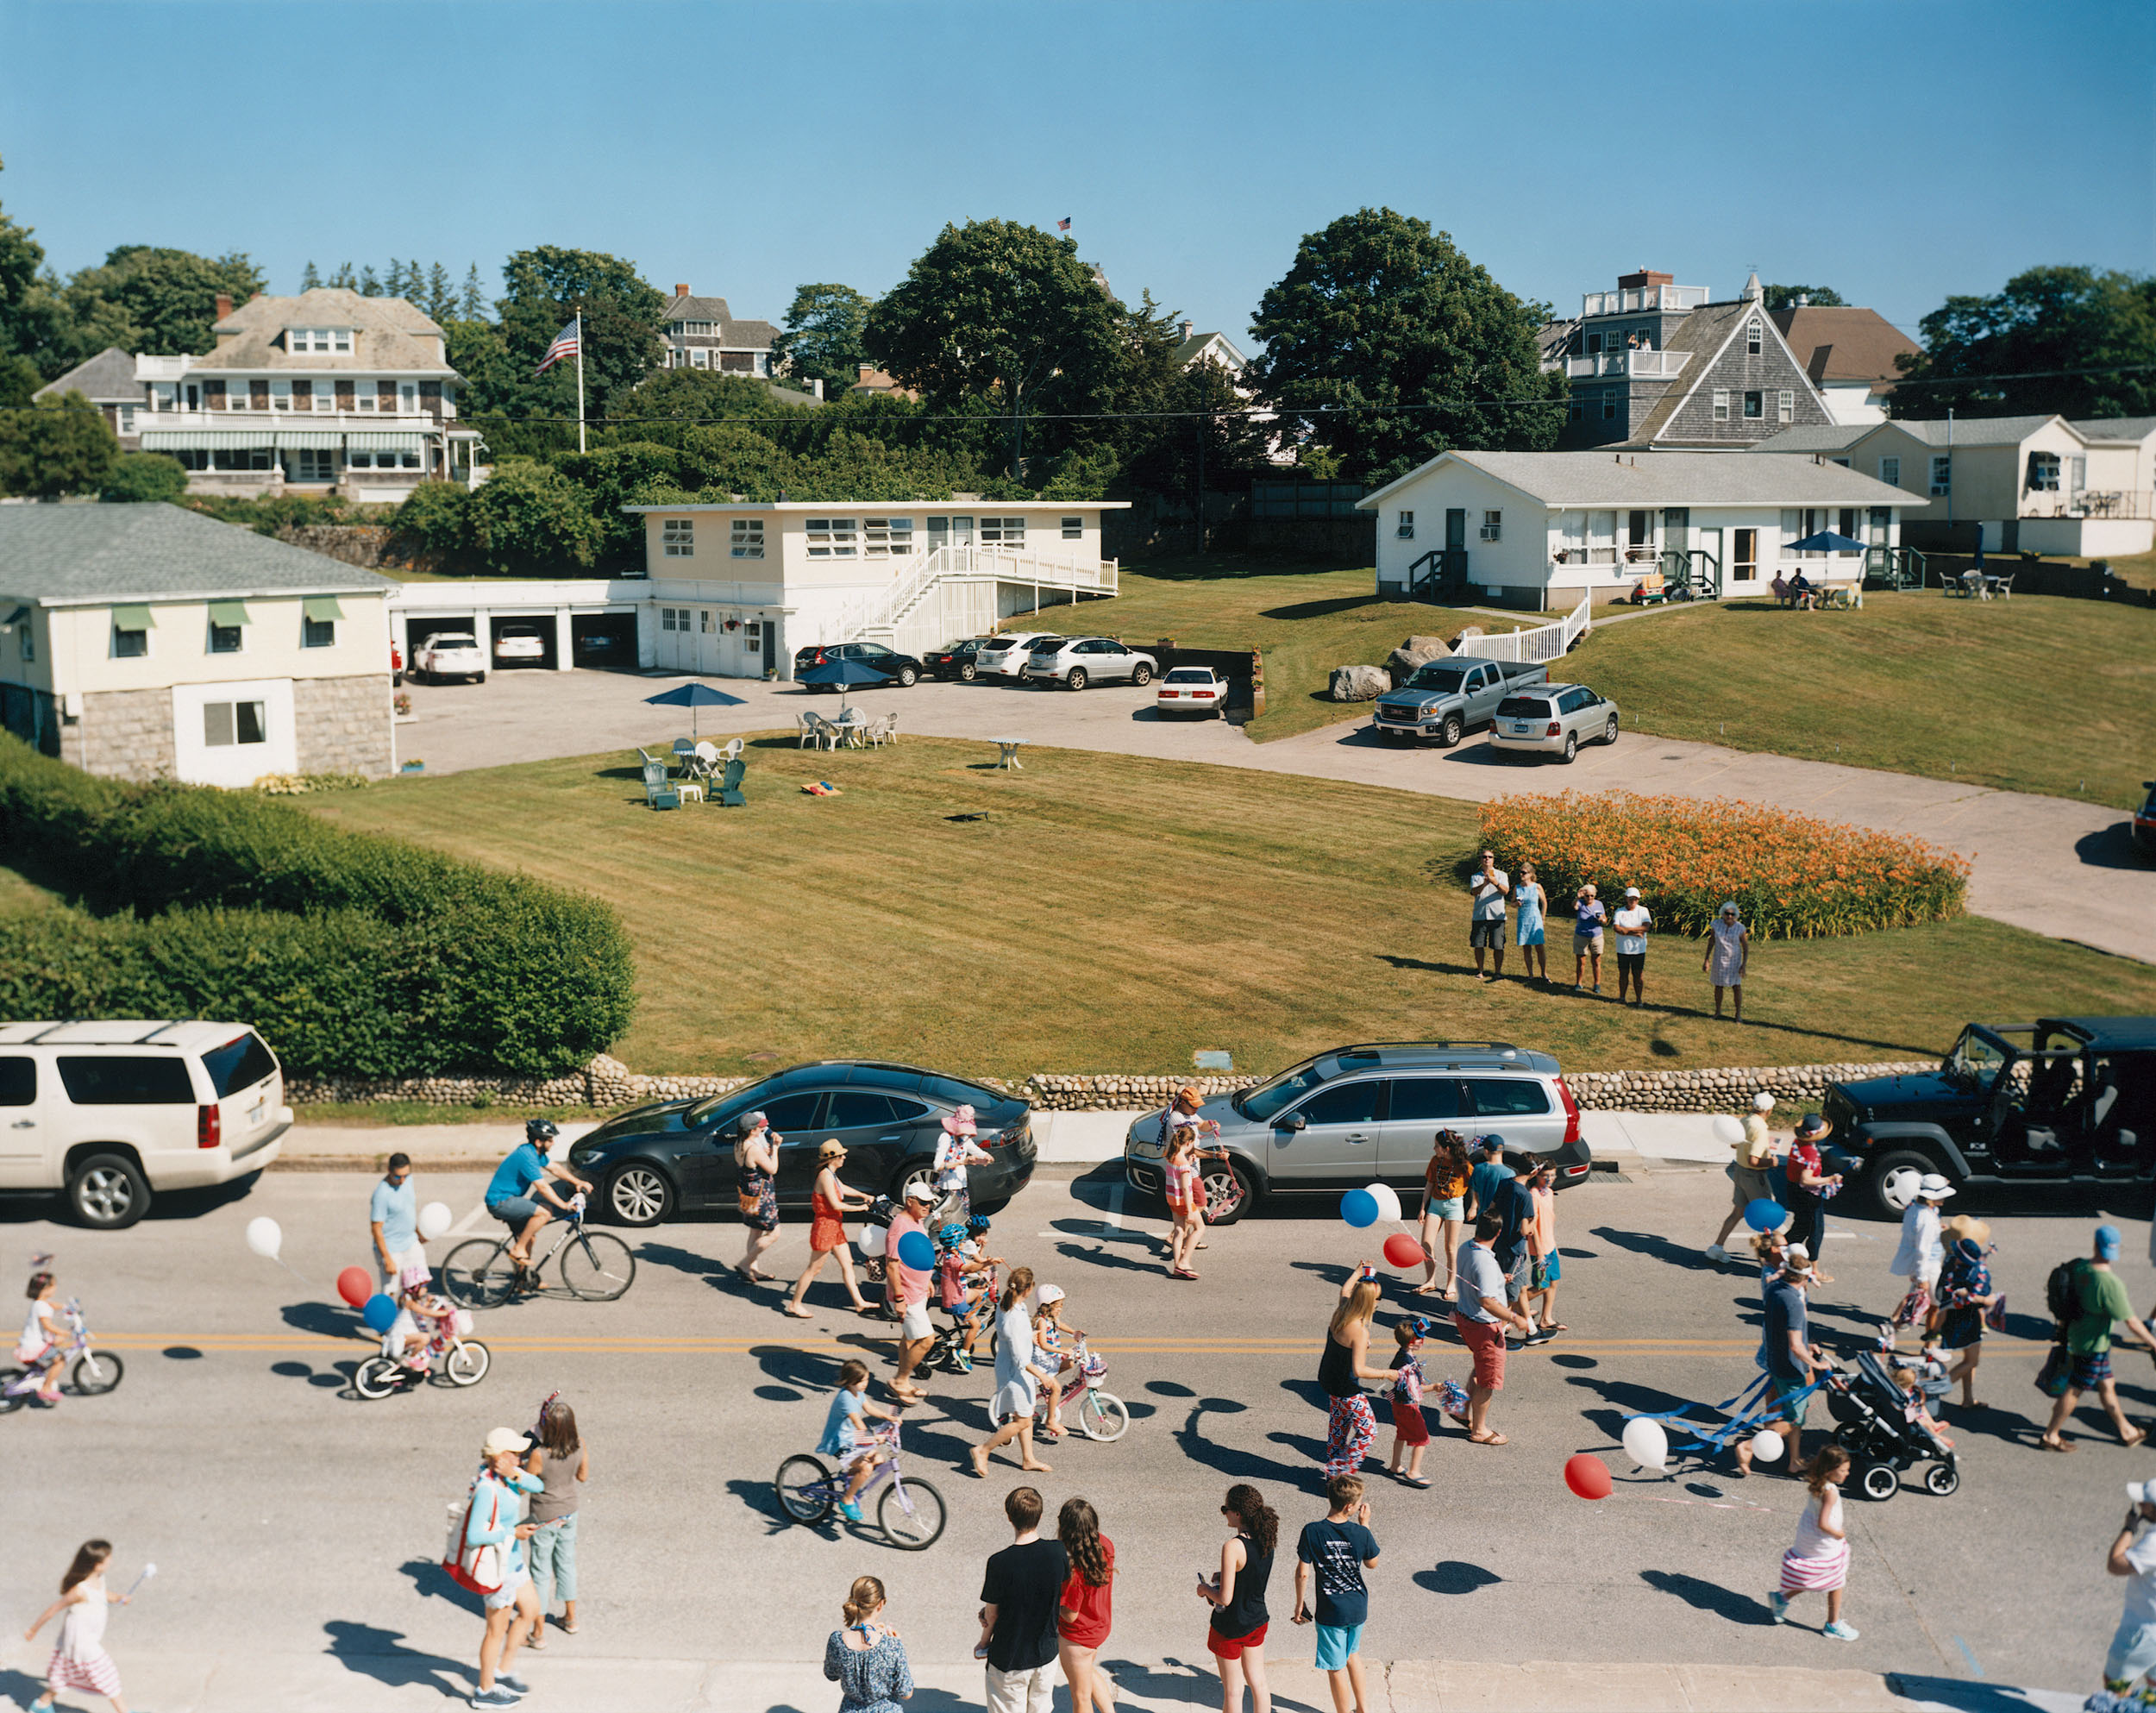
{"x":732,"y":749}
{"x":883,"y":726}
{"x":657,"y":785}
{"x":827,"y":736}
{"x":706,"y":762}
{"x":648,"y":759}
{"x":730,"y":795}
{"x":806,"y":723}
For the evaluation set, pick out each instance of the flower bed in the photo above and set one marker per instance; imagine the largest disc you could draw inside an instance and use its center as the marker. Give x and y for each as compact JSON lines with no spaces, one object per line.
{"x":1792,"y":878}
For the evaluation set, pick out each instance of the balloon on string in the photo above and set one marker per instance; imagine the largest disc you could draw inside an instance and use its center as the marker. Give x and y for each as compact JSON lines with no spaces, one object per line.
{"x":1387,"y":1200}
{"x":265,"y":1237}
{"x":354,"y":1286}
{"x":1403,"y":1252}
{"x":874,"y":1239}
{"x":1645,"y":1443}
{"x":915,"y":1250}
{"x":1588,"y":1476}
{"x":1764,"y":1215}
{"x":1359,"y":1209}
{"x":1767,"y":1447}
{"x":1728,"y":1130}
{"x":378,"y":1313}
{"x":1900,"y":1187}
{"x":435,"y":1219}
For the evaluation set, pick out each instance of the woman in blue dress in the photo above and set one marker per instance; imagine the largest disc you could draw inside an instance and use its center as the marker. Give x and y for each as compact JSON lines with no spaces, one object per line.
{"x":1531,"y":902}
{"x":866,"y":1659}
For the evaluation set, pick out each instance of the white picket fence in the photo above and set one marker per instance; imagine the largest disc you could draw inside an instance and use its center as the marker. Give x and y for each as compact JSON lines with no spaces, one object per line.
{"x":1544,"y":643}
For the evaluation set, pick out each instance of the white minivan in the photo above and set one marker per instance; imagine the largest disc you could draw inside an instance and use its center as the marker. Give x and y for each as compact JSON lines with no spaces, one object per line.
{"x":109,"y":1113}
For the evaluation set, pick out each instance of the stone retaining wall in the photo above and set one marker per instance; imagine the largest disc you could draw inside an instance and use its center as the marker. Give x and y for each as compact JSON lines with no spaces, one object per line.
{"x":608,"y":1082}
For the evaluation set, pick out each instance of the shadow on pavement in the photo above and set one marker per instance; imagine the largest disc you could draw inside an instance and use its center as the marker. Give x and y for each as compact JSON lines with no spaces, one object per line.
{"x":760,"y":1497}
{"x":1455,"y":1575}
{"x":1193,"y":1686}
{"x":431,"y":1581}
{"x":1200,"y":1447}
{"x":2113,"y":848}
{"x":381,"y":1654}
{"x":1975,"y":1698}
{"x":1709,"y":1596}
{"x":1658,"y":1247}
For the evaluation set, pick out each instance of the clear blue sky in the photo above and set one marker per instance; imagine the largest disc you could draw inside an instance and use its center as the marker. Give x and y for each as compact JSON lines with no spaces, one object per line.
{"x":1896,"y":152}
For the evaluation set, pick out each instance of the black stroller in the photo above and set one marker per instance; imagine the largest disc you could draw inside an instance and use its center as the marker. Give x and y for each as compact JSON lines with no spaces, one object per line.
{"x":1872,"y":1423}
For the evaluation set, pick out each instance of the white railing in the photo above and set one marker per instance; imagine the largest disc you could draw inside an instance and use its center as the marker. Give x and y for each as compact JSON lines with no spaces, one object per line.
{"x":886,"y":609}
{"x":1641,"y":365}
{"x":1627,"y":301}
{"x":1544,"y":643}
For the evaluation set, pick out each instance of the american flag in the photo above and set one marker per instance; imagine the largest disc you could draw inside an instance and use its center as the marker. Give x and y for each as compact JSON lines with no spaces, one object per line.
{"x":564,"y":345}
{"x":1063,"y":225}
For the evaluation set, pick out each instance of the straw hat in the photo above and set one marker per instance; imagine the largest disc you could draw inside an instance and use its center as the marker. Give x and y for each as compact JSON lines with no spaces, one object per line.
{"x":1967,"y":1225}
{"x":832,"y":1149}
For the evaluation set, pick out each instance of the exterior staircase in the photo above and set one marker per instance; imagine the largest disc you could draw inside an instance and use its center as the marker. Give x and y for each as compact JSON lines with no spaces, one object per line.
{"x":952,"y":590}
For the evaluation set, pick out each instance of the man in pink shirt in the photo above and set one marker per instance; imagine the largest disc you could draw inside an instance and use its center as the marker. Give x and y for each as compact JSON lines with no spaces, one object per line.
{"x":911,"y":1284}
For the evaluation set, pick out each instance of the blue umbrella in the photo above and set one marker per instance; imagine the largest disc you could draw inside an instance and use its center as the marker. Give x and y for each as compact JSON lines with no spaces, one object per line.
{"x":842,"y":671}
{"x":692,"y":696}
{"x":1826,"y":542}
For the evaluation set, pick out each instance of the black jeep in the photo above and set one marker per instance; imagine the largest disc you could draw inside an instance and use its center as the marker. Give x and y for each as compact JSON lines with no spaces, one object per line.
{"x":2065,"y":1099}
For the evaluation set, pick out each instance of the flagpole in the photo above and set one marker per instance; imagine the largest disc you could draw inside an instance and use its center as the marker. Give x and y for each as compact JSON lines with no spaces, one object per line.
{"x":579,"y":378}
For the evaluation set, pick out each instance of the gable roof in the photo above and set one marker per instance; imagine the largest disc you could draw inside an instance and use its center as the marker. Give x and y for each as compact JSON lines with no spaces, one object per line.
{"x":1600,"y":479}
{"x":1845,"y":342}
{"x":755,"y":335}
{"x":65,"y":554}
{"x":1194,"y":346}
{"x":106,"y":379}
{"x":1968,"y":431}
{"x":391,"y":336}
{"x":1816,"y":437}
{"x":1706,"y":331}
{"x":2092,"y":428}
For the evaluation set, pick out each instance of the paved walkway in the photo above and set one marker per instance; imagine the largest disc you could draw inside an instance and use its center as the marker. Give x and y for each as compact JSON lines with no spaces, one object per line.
{"x":2046,"y":864}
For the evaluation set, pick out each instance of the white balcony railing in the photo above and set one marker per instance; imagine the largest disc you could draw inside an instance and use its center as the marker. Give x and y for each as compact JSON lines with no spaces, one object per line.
{"x":1636,"y":299}
{"x":1640,"y":365}
{"x":2087,"y":503}
{"x":252,"y":419}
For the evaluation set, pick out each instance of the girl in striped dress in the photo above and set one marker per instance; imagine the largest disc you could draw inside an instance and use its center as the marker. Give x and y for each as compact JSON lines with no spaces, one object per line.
{"x":1819,"y":1562}
{"x":80,"y":1660}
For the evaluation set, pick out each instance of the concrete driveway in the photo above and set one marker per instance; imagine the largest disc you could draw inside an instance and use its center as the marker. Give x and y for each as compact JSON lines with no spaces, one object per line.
{"x":2046,"y":864}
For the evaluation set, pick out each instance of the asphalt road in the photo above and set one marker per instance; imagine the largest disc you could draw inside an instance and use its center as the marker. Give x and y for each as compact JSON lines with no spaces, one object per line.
{"x":290,"y":1519}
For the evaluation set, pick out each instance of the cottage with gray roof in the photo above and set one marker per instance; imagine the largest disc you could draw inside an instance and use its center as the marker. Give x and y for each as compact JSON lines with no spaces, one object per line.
{"x":108,"y":382}
{"x":1542,"y":531}
{"x":149,"y":641}
{"x":701,"y":333}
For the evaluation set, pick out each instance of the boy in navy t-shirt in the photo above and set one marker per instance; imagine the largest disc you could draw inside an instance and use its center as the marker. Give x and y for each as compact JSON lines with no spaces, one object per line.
{"x":1336,"y":1552}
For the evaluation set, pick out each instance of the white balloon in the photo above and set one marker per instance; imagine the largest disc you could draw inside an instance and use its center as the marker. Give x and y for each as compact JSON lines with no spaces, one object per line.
{"x":1645,"y":1443}
{"x":873,"y":1239}
{"x":1767,"y":1447}
{"x":264,"y":1237}
{"x":1900,"y":1187}
{"x":1728,"y":1130}
{"x":435,"y":1219}
{"x":1387,"y":1200}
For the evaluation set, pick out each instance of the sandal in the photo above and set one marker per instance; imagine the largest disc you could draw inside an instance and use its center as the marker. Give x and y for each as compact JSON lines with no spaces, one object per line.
{"x":1487,"y":1437}
{"x":2139,"y":1434}
{"x":2044,"y":1444}
{"x":568,"y":1628}
{"x":1412,"y":1480}
{"x":797,"y":1312}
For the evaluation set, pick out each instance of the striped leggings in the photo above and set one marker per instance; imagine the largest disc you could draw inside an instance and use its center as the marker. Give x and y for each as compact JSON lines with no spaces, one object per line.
{"x":1348,"y":1435}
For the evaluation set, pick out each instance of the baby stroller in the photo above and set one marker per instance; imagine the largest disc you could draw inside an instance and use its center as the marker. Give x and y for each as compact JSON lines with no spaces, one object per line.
{"x":878,"y":1213}
{"x":1872,"y":1424}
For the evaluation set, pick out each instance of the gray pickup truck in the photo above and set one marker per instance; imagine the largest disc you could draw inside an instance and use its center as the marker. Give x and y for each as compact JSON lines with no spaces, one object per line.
{"x":1447,"y":697}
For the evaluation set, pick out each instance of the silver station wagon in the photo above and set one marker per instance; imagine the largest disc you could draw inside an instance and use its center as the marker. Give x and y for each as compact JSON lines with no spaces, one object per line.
{"x":1552,"y":719}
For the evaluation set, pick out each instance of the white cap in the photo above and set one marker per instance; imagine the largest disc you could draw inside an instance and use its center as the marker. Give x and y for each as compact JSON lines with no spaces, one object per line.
{"x":1934,"y":1187}
{"x":504,"y":1439}
{"x":1632,"y":892}
{"x":2141,"y":1492}
{"x":1762,"y":1103}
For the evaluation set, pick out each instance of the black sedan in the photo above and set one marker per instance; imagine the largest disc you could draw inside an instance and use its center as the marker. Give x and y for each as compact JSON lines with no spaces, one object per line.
{"x":671,"y":1158}
{"x":954,"y":660}
{"x":903,"y":670}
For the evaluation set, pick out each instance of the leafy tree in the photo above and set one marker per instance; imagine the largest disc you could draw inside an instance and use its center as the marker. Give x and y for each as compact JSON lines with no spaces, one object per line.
{"x":545,"y":287}
{"x":530,"y":520}
{"x":701,"y":395}
{"x":997,"y":308}
{"x":311,"y":277}
{"x":2002,"y":355}
{"x":144,"y":298}
{"x":435,"y":523}
{"x":1390,"y":342}
{"x":19,"y":379}
{"x":20,"y":257}
{"x":1818,"y":296}
{"x":60,"y":446}
{"x":822,"y":340}
{"x":138,"y":478}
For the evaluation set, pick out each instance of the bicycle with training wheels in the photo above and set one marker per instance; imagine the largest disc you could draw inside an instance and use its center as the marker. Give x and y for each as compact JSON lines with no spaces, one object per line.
{"x":594,"y":1265}
{"x":1096,"y":1414}
{"x":462,"y":1362}
{"x":910,"y":1512}
{"x":95,"y":1373}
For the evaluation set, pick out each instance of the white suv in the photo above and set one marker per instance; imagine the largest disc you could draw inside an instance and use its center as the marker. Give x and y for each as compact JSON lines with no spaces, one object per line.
{"x":1076,"y":661}
{"x":107,"y":1113}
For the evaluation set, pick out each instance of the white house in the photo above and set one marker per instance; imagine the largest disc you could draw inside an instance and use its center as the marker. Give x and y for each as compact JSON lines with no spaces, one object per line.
{"x":1539,"y":530}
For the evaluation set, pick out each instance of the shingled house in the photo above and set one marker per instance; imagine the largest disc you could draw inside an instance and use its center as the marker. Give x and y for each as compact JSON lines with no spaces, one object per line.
{"x":108,"y":382}
{"x":701,"y":333}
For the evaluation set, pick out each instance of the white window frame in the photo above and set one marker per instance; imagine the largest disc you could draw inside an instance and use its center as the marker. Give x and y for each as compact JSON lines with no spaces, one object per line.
{"x":1755,"y":337}
{"x":1601,"y":537}
{"x":886,"y":537}
{"x":1574,"y":411}
{"x":1759,"y":415}
{"x":1785,"y":405}
{"x":752,"y":635}
{"x":309,"y":456}
{"x":1404,"y":528}
{"x":706,"y":621}
{"x":29,"y":640}
{"x":231,"y":712}
{"x":746,"y":538}
{"x":1942,"y":473}
{"x":2044,"y":477}
{"x":280,"y":395}
{"x":1493,"y":526}
{"x":832,"y":537}
{"x":1721,"y":403}
{"x":1073,"y":529}
{"x":700,"y":357}
{"x":1006,"y":532}
{"x":1890,"y":471}
{"x":677,"y":537}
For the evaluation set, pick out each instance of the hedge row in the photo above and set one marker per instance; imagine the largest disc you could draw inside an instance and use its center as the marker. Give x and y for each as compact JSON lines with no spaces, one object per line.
{"x":352,"y":953}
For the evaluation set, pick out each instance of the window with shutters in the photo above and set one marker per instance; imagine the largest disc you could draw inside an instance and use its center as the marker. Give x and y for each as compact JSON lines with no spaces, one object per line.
{"x":677,"y":537}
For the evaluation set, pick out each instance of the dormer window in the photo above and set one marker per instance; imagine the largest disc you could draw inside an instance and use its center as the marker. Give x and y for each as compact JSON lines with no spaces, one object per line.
{"x":337,"y":340}
{"x":696,"y":329}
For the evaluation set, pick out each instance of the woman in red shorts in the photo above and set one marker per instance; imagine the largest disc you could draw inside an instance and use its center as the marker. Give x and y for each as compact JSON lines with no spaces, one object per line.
{"x":1237,"y":1595}
{"x":829,"y":1204}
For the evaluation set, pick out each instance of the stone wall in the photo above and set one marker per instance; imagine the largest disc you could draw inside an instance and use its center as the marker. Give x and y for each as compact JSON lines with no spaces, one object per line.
{"x":344,"y":724}
{"x":128,"y":733}
{"x":366,"y":545}
{"x":1799,"y":1086}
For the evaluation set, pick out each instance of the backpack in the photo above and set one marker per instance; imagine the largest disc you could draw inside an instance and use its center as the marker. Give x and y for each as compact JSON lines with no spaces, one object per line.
{"x":2062,"y":1290}
{"x":477,"y":1568}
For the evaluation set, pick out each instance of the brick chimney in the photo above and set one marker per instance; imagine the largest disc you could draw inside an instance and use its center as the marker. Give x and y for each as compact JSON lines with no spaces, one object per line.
{"x":225,"y":304}
{"x":1642,"y":278}
{"x":682,"y":289}
{"x":867,"y":369}
{"x":1187,"y":328}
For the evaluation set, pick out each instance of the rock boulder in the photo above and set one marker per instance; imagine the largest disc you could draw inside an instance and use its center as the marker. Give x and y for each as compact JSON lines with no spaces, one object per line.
{"x":1414,"y":652}
{"x":1360,"y":683}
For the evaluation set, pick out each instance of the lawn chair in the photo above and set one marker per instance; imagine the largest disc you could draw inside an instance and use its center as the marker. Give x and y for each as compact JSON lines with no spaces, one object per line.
{"x":2002,"y":585}
{"x":731,"y":750}
{"x":827,"y":736}
{"x":730,"y":795}
{"x":648,"y":759}
{"x":657,"y":785}
{"x":684,"y":753}
{"x":884,"y":728}
{"x":807,"y":724}
{"x":706,"y":762}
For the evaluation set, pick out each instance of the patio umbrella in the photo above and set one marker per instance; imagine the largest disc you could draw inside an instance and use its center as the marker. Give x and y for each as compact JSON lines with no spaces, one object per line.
{"x":842,"y":672}
{"x":1826,"y":542}
{"x":692,"y":696}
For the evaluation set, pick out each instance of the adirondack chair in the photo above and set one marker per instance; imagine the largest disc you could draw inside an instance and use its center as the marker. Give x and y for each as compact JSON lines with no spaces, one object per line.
{"x":657,"y":786}
{"x":730,"y":795}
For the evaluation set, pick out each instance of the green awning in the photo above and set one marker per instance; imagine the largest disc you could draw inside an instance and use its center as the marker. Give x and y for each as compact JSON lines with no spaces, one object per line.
{"x":209,"y":440}
{"x":385,"y":440}
{"x":228,"y":612}
{"x":309,"y":440}
{"x":132,"y":619}
{"x":321,"y":608}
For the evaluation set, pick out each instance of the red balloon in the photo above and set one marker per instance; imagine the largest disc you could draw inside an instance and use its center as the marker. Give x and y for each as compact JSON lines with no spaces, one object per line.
{"x":355,"y":1285}
{"x":1402,"y":1250}
{"x":1588,"y":1476}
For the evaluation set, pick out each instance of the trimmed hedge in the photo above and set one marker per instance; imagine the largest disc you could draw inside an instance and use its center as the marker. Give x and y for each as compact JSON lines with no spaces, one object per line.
{"x":353,"y":954}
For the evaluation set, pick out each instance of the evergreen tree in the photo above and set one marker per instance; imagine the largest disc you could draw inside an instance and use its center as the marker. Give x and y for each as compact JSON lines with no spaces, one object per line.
{"x":473,"y":306}
{"x":311,"y":278}
{"x":369,"y":285}
{"x":344,"y":280}
{"x":442,"y":302}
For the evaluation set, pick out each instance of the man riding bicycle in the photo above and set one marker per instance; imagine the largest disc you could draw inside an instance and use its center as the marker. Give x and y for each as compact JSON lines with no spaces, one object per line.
{"x":519,"y":1196}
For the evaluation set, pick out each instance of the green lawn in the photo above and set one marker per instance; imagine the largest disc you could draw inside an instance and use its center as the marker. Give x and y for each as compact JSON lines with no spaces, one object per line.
{"x":1100,"y":912}
{"x":1307,"y":622}
{"x":2032,"y":694}
{"x":19,"y":897}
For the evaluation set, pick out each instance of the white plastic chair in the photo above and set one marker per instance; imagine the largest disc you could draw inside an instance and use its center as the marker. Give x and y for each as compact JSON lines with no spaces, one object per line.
{"x":731,"y":750}
{"x":806,"y":723}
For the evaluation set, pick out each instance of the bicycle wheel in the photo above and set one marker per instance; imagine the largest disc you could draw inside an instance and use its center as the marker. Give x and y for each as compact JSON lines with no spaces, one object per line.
{"x":11,"y":1400}
{"x":596,"y":1266}
{"x":376,"y":1377}
{"x":95,"y":1373}
{"x":468,"y":1362}
{"x":803,"y":1485}
{"x":478,"y":1274}
{"x":911,"y":1515}
{"x":1102,"y":1415}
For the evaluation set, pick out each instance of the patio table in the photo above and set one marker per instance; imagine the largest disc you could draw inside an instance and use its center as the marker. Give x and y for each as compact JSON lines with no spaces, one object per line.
{"x":1010,"y":746}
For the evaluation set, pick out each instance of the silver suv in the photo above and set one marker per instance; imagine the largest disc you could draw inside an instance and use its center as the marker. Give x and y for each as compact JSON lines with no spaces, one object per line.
{"x":1552,"y":719}
{"x":1364,"y":1114}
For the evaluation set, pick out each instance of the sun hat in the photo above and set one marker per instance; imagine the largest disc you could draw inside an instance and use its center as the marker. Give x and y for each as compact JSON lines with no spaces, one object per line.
{"x":1934,"y":1187}
{"x":1812,"y":1126}
{"x":2108,"y":1242}
{"x":504,"y":1439}
{"x":1763,"y":1103}
{"x":831,"y":1149}
{"x":1969,"y":1226}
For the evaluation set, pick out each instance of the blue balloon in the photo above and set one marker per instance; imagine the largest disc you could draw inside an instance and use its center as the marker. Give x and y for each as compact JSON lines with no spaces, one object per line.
{"x":378,"y":1313}
{"x":1764,"y":1215}
{"x":1359,"y":1209}
{"x":916,"y":1251}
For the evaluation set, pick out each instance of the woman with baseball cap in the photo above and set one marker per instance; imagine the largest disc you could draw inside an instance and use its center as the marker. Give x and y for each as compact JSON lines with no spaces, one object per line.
{"x":495,"y":1518}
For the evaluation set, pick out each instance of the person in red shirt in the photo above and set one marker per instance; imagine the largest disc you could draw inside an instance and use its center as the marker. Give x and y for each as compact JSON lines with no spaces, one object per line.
{"x":1082,"y":1615}
{"x":910,"y":1284}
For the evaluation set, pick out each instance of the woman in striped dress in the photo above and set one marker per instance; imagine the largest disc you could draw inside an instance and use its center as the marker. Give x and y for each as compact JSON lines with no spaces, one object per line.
{"x":80,"y":1660}
{"x":1819,"y":1562}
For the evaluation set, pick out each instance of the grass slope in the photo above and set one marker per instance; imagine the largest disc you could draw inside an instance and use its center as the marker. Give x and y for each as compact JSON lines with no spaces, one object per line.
{"x":1100,"y":912}
{"x":2033,"y":694}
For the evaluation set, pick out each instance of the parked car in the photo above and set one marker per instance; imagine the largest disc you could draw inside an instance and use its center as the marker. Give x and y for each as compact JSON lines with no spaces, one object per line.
{"x":450,"y":654}
{"x":1552,"y":721}
{"x":897,"y":669}
{"x":2144,"y":822}
{"x":1006,"y":657}
{"x":672,"y":1158}
{"x":2064,"y":1100}
{"x":604,"y":644}
{"x":1192,"y":690}
{"x":1076,"y":661}
{"x":1448,"y":698}
{"x":110,"y":1113}
{"x":1363,"y":1115}
{"x":516,"y":643}
{"x":956,"y":660}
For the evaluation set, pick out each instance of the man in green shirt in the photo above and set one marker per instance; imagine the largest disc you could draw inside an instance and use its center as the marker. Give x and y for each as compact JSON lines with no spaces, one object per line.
{"x":2105,"y":1309}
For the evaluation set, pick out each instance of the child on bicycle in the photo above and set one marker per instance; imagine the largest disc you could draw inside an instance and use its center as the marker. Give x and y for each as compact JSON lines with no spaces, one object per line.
{"x":1053,"y":1343}
{"x":962,"y":1284}
{"x":421,"y":1317}
{"x":39,"y":1348}
{"x":845,"y":1435}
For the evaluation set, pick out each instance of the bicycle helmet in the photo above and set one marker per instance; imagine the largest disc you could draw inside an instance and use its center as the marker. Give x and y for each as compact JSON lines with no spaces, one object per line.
{"x":951,"y":1235}
{"x":977,"y":1225}
{"x":541,"y":1130}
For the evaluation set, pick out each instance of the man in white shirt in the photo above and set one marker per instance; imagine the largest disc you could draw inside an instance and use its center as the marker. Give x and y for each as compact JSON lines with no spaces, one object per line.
{"x":2133,"y":1556}
{"x":1486,"y":917}
{"x":1633,"y":924}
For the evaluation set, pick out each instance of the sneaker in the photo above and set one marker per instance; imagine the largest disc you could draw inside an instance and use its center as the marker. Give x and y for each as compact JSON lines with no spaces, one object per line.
{"x":496,"y":1697}
{"x":1839,"y":1631}
{"x":965,"y":1364}
{"x":515,"y":1685}
{"x":851,"y":1511}
{"x":1778,"y":1603}
{"x":1716,"y":1252}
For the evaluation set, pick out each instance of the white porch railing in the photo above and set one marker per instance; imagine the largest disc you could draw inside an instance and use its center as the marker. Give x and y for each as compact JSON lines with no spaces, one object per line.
{"x":1635,"y":298}
{"x":887,"y":609}
{"x":1542,"y":643}
{"x":1640,"y":365}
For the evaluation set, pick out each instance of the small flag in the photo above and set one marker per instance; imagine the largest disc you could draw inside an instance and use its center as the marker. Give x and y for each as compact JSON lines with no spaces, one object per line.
{"x":565,"y":344}
{"x":1063,"y":225}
